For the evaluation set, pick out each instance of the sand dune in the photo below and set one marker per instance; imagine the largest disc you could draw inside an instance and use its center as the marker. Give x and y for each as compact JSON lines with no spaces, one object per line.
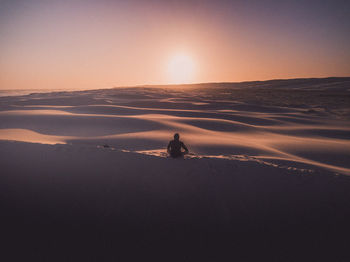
{"x":128,"y":118}
{"x":85,"y":175}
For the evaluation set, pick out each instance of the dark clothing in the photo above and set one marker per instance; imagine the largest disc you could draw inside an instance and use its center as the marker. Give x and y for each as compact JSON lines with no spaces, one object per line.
{"x":174,"y":148}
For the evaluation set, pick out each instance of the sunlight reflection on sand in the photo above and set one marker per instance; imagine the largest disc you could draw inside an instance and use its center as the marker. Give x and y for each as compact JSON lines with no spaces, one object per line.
{"x":24,"y":135}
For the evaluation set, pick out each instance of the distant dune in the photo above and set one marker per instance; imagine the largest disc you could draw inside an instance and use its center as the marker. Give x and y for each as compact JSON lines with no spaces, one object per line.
{"x":335,"y":83}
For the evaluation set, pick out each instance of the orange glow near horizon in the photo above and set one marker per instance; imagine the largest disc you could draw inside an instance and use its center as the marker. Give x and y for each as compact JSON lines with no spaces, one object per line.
{"x":101,"y":44}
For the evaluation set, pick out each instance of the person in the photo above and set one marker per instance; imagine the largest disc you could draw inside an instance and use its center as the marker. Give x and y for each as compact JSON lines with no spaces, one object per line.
{"x":175,"y":146}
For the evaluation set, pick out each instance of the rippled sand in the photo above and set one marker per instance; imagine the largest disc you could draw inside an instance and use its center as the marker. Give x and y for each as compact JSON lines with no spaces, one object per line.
{"x":85,"y":175}
{"x":297,"y":126}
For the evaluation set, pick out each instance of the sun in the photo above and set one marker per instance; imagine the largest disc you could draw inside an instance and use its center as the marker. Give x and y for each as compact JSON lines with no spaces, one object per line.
{"x":181,"y":69}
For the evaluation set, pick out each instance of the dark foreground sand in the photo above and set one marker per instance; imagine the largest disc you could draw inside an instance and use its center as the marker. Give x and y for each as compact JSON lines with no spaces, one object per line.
{"x":111,"y":206}
{"x":265,"y":182}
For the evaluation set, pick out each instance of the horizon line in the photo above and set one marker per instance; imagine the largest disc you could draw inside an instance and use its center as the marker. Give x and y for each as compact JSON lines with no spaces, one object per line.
{"x":183,"y":84}
{"x":233,"y":82}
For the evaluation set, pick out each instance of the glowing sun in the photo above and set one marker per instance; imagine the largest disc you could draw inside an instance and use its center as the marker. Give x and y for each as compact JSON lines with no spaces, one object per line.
{"x":181,"y":69}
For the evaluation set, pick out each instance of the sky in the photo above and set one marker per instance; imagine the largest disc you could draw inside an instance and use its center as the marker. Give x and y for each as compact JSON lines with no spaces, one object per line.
{"x":75,"y":44}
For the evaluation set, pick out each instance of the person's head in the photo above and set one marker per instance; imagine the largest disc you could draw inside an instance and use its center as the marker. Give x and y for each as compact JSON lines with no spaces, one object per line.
{"x":176,"y":136}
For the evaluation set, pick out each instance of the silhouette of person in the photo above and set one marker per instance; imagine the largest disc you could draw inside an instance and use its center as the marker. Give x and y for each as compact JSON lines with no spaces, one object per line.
{"x":175,"y":146}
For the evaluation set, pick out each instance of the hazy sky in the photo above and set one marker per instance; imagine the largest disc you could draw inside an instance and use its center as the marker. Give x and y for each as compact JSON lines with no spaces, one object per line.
{"x":105,"y":43}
